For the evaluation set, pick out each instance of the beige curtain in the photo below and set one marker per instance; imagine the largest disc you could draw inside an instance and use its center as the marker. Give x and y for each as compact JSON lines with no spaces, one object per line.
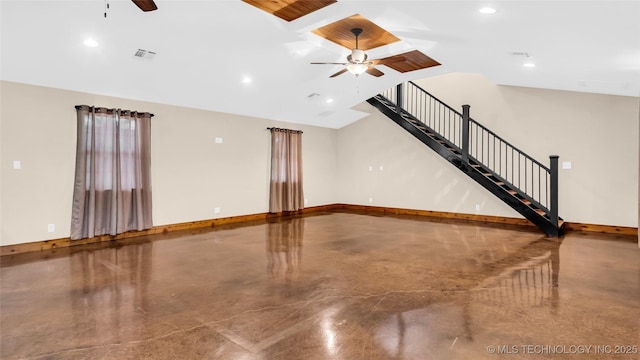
{"x":286,"y":171}
{"x":112,"y":189}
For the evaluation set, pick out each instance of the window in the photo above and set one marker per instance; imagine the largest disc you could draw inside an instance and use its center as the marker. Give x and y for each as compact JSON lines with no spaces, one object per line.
{"x":112,"y":191}
{"x":286,"y":171}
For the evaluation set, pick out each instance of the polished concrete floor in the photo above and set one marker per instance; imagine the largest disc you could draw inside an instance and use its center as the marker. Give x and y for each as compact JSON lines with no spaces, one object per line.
{"x":328,"y":286}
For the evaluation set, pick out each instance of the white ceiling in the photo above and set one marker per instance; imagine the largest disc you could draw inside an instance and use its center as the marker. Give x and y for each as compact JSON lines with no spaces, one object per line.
{"x":205,"y":48}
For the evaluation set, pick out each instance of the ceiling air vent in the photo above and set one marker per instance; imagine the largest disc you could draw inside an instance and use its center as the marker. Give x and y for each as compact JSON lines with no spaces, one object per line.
{"x":522,"y":53}
{"x":144,"y":54}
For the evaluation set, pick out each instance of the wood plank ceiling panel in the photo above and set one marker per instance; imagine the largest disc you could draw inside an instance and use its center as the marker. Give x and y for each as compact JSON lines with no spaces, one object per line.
{"x":290,"y":10}
{"x":340,"y":33}
{"x":409,"y":61}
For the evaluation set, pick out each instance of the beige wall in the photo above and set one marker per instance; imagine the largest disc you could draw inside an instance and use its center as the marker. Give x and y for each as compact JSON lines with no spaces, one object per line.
{"x":191,"y":173}
{"x":412,"y":176}
{"x":597,"y":133}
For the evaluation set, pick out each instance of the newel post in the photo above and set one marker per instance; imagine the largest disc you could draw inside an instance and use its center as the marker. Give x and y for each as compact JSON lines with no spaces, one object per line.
{"x":553,"y":204}
{"x":399,"y":98}
{"x":465,"y":133}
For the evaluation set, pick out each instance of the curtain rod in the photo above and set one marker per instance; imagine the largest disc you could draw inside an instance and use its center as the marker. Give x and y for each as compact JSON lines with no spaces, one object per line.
{"x":78,"y":107}
{"x":284,"y":130}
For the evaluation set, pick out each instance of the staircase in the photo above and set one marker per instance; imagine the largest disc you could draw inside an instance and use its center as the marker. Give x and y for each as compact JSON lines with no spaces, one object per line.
{"x":519,"y":180}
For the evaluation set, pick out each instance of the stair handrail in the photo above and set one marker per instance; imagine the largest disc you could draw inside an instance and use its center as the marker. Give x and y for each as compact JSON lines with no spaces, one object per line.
{"x":481,"y":126}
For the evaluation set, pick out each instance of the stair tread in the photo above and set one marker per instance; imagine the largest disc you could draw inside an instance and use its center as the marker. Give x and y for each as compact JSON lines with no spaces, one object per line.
{"x":526,"y":202}
{"x":512,"y":192}
{"x":540,"y":211}
{"x":499,"y":183}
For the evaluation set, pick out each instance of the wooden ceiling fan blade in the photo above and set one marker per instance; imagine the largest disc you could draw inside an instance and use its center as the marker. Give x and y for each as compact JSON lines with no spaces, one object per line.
{"x":373,"y":71}
{"x":145,"y":5}
{"x":393,"y":59}
{"x":339,"y":73}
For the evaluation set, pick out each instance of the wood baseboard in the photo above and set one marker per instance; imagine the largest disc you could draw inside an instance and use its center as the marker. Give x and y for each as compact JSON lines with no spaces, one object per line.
{"x":161,"y":229}
{"x":606,"y":229}
{"x":210,"y":223}
{"x":476,"y":218}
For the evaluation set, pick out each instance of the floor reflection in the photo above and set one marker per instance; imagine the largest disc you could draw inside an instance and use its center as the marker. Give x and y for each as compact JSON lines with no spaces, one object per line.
{"x":532,"y":283}
{"x":417,"y":333}
{"x":284,"y":249}
{"x":109,"y":290}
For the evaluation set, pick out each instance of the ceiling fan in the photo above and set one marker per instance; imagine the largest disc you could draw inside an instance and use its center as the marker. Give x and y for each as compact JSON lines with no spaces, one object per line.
{"x":145,"y":5}
{"x":357,"y":62}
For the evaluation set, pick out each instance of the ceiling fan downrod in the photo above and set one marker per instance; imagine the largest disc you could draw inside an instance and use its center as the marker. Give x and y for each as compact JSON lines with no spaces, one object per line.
{"x":356,"y":32}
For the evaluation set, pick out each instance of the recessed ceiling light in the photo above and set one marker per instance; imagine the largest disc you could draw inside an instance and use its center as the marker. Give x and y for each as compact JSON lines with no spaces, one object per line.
{"x":90,"y":43}
{"x":487,"y":10}
{"x":329,"y":100}
{"x":529,"y":65}
{"x":246,"y":80}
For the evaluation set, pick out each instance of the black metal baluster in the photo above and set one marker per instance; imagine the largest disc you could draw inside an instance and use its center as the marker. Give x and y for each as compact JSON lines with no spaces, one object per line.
{"x":494,"y":152}
{"x":519,"y":171}
{"x":399,"y":98}
{"x":538,"y":197}
{"x":532,"y":180}
{"x":553,"y":210}
{"x":512,"y":166}
{"x":546,"y":188}
{"x":477,"y":131}
{"x":465,"y":133}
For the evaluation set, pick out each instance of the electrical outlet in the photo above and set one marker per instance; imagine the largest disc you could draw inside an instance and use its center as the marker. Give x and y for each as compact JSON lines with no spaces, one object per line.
{"x":381,"y":168}
{"x":370,"y":200}
{"x":477,"y":207}
{"x":17,"y":165}
{"x":51,"y":228}
{"x":216,"y":210}
{"x":306,"y":201}
{"x":370,"y":168}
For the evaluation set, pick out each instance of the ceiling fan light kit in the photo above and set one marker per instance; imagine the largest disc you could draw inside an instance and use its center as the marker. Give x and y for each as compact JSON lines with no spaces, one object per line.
{"x":357,"y":69}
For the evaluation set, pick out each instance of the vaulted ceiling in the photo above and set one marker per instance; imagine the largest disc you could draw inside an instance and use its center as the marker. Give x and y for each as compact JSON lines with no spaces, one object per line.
{"x":230,"y":56}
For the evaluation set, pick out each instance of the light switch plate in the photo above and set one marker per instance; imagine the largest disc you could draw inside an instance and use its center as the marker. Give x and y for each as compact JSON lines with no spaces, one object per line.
{"x":17,"y":165}
{"x":218,"y":140}
{"x":566,"y":165}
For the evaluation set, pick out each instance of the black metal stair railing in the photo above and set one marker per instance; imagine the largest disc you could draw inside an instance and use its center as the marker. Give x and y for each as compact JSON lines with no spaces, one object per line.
{"x":523,"y":176}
